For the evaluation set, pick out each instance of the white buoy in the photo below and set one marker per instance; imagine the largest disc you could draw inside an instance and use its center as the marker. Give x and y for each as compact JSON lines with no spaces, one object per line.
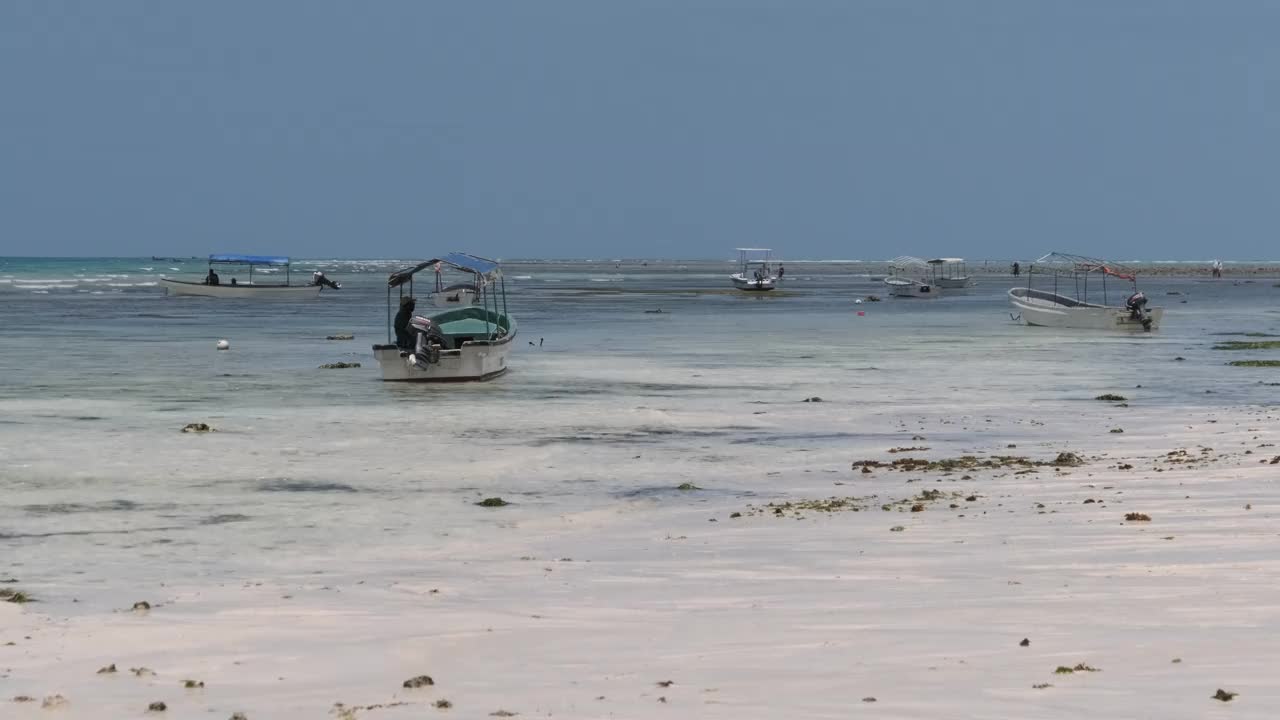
{"x":224,"y":344}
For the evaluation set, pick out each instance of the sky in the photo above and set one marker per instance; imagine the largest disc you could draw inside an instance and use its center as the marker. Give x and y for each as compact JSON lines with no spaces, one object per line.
{"x":850,"y":129}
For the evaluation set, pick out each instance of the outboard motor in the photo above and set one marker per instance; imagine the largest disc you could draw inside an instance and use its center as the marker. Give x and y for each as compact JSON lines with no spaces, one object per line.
{"x":427,"y":342}
{"x":1137,"y":307}
{"x":318,"y":278}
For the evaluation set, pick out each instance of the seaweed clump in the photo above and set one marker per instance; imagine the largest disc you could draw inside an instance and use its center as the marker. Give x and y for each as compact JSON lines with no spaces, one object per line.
{"x":1254,"y":363}
{"x":1137,"y":517}
{"x":1081,"y":667}
{"x":1111,"y":397}
{"x":1224,"y":695}
{"x":15,"y":596}
{"x":1248,"y":345}
{"x":795,"y":508}
{"x":493,"y":502}
{"x":967,"y":462}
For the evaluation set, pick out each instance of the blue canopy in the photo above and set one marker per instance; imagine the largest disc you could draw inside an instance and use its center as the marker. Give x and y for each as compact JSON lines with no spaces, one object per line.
{"x":471,"y":263}
{"x":250,"y":259}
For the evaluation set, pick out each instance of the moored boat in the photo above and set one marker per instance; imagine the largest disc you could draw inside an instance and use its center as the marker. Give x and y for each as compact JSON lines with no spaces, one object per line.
{"x":1068,"y":304}
{"x":908,"y":278}
{"x":214,"y":286}
{"x":470,"y":342}
{"x":949,"y":273}
{"x":756,"y":274}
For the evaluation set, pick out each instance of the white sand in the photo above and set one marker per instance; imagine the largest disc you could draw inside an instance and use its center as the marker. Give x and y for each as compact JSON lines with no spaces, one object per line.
{"x":754,"y":617}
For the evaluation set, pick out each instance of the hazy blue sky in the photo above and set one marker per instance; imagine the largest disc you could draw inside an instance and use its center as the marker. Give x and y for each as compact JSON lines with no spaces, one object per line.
{"x":843,"y":129}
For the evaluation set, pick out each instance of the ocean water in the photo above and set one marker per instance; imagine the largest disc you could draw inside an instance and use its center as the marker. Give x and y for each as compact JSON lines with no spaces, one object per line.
{"x":606,"y":403}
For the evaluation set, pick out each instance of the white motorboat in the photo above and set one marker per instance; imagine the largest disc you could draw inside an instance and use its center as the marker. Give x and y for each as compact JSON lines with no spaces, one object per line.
{"x":453,"y":294}
{"x":469,"y":342}
{"x":214,"y":286}
{"x":908,"y":278}
{"x":1071,"y":273}
{"x":756,"y":274}
{"x":456,"y":295}
{"x":949,"y":273}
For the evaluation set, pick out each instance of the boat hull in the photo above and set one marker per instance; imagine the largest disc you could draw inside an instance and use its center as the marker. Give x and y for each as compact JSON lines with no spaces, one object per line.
{"x":471,"y":362}
{"x":241,"y":291}
{"x":751,"y":284}
{"x":899,"y":287}
{"x":1046,"y":309}
{"x":954,"y":283}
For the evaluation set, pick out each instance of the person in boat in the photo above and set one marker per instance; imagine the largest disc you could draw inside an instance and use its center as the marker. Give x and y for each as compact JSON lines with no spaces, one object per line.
{"x":404,"y":337}
{"x":233,"y":281}
{"x":211,"y":278}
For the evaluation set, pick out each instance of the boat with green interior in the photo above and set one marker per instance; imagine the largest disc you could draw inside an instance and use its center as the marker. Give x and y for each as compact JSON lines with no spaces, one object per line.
{"x":463,"y":343}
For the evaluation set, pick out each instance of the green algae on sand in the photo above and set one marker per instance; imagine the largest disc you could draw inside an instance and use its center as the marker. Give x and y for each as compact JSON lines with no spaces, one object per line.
{"x":1248,"y":345}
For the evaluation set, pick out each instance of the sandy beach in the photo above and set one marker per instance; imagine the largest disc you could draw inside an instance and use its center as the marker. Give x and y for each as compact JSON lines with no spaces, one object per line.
{"x":922,"y":593}
{"x":639,"y":360}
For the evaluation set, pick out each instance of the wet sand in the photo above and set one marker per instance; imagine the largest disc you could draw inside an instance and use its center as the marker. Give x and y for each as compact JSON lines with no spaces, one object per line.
{"x":666,"y":604}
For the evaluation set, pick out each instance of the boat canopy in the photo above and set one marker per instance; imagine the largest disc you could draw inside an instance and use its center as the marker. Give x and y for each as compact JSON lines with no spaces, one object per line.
{"x":1067,"y":263}
{"x":250,"y":259}
{"x":904,"y":262}
{"x":461,"y":261}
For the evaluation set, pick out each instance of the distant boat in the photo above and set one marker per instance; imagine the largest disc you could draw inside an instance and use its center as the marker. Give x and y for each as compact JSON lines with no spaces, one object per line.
{"x":213,"y":285}
{"x":458,"y":294}
{"x":470,"y":342}
{"x":949,"y":273}
{"x":756,"y":274}
{"x":908,"y":278}
{"x":1071,"y":274}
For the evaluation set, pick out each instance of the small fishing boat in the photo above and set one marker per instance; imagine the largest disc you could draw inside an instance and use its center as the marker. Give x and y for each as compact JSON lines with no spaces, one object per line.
{"x":1067,"y":304}
{"x":468,"y":342}
{"x":756,"y":274}
{"x":907,"y":278}
{"x":213,"y":285}
{"x":949,"y":273}
{"x":453,"y":294}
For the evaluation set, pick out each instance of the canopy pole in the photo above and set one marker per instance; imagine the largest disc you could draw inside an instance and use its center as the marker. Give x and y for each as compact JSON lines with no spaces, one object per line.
{"x":504,"y":300}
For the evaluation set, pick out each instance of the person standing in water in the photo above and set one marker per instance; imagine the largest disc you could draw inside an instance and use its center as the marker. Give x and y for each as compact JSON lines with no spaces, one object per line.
{"x":1016,"y":269}
{"x":781,"y":271}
